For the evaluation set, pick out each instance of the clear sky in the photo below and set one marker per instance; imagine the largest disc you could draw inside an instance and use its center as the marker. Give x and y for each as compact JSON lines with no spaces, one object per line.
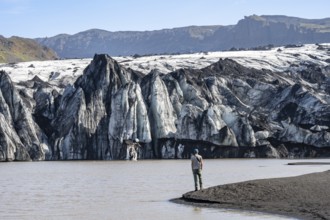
{"x":47,"y":18}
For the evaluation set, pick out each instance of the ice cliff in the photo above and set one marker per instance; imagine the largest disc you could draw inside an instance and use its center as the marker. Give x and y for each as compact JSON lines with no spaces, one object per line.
{"x":225,"y":109}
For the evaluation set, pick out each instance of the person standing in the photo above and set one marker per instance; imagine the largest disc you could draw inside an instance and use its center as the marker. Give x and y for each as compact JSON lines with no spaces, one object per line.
{"x":197,"y":167}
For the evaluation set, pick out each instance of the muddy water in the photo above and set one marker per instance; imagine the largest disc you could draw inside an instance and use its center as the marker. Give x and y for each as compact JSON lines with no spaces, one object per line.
{"x":126,"y":189}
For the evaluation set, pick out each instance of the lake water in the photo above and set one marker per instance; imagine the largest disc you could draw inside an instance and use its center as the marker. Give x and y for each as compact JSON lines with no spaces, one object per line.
{"x":127,"y":189}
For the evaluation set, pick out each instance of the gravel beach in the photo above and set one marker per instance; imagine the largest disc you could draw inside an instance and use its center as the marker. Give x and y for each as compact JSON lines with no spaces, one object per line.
{"x":304,"y":197}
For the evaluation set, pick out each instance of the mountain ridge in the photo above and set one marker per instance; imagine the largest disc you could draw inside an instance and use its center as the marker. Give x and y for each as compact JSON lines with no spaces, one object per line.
{"x":249,"y":32}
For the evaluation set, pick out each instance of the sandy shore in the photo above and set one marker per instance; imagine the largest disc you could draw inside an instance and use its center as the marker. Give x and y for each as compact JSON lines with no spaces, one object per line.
{"x":304,"y":197}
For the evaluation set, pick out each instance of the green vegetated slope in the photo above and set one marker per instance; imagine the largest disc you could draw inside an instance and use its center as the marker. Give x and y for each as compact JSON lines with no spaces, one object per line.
{"x":17,"y":49}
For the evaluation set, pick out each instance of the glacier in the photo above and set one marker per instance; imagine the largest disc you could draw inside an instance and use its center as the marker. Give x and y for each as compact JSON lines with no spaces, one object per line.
{"x":272,"y":103}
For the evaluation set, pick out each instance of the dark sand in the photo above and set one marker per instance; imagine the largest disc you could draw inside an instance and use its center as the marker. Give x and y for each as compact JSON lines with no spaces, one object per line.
{"x":304,"y":197}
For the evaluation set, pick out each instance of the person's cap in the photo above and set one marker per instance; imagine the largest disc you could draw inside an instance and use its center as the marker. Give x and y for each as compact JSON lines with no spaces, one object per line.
{"x":136,"y":140}
{"x":196,"y":151}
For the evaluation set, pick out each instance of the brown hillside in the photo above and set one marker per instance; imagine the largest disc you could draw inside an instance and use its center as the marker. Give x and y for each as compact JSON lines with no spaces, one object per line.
{"x":17,"y":49}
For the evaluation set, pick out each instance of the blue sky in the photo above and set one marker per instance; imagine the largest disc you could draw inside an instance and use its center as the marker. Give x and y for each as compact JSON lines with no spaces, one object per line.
{"x":46,"y":18}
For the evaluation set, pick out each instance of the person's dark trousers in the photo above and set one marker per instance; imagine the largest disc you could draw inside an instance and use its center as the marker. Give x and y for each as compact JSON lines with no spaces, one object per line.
{"x":198,"y":179}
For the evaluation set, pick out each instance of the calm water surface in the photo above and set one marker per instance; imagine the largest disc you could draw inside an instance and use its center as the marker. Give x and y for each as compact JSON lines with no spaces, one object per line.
{"x":126,"y":189}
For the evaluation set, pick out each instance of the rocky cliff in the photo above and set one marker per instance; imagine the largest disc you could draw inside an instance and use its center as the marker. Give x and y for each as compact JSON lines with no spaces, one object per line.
{"x":224,"y":109}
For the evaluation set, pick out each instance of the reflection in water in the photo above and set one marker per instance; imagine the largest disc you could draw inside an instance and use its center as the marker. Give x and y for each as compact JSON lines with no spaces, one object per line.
{"x":125,"y":189}
{"x":197,"y":210}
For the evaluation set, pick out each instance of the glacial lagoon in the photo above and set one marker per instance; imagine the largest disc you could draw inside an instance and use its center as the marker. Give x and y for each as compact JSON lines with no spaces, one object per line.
{"x":128,"y":189}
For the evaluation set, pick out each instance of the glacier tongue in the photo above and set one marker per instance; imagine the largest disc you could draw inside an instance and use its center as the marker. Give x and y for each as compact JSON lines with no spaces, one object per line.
{"x":225,"y":109}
